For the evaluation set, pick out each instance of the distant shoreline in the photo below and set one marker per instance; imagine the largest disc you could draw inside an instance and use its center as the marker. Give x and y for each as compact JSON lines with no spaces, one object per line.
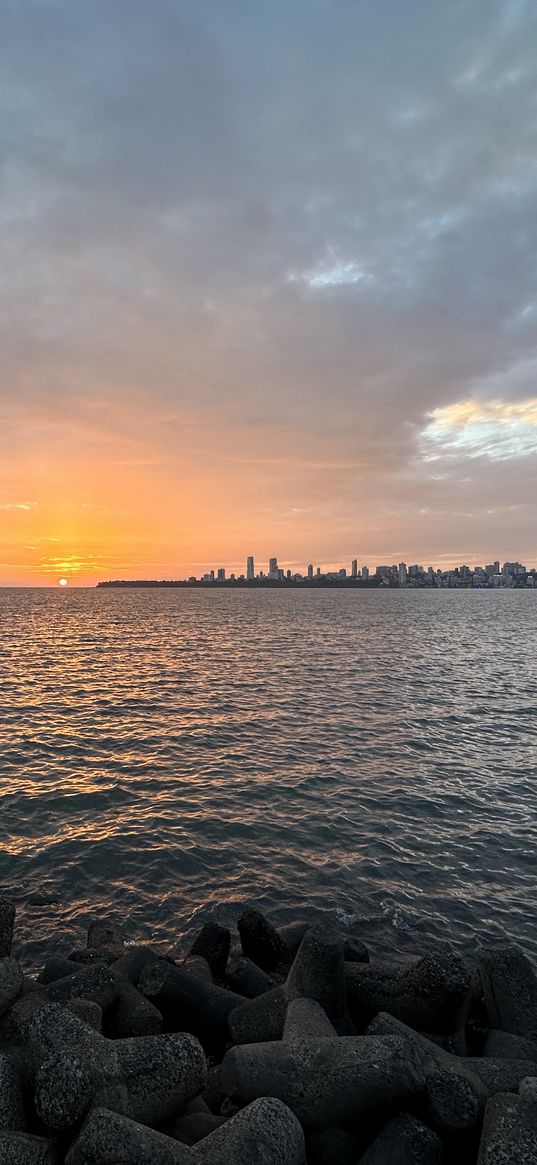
{"x":348,"y":584}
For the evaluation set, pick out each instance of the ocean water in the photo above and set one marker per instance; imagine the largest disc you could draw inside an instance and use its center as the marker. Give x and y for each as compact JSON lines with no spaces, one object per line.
{"x":171,"y":756}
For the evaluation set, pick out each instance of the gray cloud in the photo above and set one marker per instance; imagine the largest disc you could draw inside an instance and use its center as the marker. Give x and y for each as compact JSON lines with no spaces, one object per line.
{"x":314,"y":221}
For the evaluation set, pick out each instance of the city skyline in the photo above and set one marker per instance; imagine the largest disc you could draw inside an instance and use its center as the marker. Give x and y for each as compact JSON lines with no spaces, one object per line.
{"x":495,"y":574}
{"x":268,"y":281}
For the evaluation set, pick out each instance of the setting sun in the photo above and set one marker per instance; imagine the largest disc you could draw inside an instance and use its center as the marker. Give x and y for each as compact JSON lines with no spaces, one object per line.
{"x":63,"y":582}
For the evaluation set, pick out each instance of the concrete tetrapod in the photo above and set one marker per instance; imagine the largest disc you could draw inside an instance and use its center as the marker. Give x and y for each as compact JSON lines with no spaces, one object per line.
{"x":146,"y":1078}
{"x":22,"y":1149}
{"x":7,"y":920}
{"x":96,"y":983}
{"x":317,"y":973}
{"x":510,"y":990}
{"x":306,"y":1020}
{"x":264,"y":1133}
{"x":107,"y":1138}
{"x":11,"y":983}
{"x":11,"y":1095}
{"x":496,"y":1075}
{"x":260,"y":940}
{"x":187,"y":1002}
{"x":404,"y":1141}
{"x":509,"y":1135}
{"x":328,"y":1081}
{"x":213,"y":943}
{"x":431,"y":995}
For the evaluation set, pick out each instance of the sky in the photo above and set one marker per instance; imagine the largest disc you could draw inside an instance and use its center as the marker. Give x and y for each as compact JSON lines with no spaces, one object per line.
{"x":268,"y":284}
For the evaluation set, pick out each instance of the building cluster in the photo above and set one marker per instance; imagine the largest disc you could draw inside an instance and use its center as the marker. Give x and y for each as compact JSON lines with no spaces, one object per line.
{"x":510,"y":574}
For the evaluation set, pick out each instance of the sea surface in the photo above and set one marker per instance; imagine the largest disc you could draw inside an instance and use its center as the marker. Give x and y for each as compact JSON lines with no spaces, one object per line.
{"x":171,"y":756}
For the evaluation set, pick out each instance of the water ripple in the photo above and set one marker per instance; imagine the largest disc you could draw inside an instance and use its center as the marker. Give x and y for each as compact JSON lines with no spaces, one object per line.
{"x":172,"y":756}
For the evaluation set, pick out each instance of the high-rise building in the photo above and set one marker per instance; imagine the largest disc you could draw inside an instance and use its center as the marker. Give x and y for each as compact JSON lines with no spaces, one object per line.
{"x":365,"y":573}
{"x":250,"y":570}
{"x":310,"y":570}
{"x":221,"y":576}
{"x":354,"y":570}
{"x":402,"y":571}
{"x":273,"y":568}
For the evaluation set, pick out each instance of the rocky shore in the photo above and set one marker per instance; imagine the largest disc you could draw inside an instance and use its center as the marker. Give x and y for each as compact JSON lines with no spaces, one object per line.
{"x":270,"y":1047}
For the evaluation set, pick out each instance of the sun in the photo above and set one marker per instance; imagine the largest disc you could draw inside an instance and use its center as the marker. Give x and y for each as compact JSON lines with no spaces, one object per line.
{"x":63,"y":582}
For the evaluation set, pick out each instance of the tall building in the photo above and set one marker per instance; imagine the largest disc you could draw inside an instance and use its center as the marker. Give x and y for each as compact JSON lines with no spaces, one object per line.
{"x":310,"y":570}
{"x":250,"y":570}
{"x":402,"y":571}
{"x":221,"y":576}
{"x":365,"y":573}
{"x":354,"y":570}
{"x":273,"y":568}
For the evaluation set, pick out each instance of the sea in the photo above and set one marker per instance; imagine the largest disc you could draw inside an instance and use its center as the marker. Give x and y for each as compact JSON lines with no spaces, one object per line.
{"x":366,"y":759}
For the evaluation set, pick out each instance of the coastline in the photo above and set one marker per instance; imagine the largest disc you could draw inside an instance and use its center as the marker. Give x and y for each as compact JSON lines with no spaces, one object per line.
{"x":280,"y":1046}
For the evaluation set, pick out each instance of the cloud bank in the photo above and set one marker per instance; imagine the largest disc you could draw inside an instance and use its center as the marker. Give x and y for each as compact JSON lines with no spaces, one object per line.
{"x":267,"y":282}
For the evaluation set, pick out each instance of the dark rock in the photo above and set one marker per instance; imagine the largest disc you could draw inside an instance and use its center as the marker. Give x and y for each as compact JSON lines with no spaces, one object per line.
{"x":330,"y":1082}
{"x":260,"y":940}
{"x":510,"y":990}
{"x":291,"y":934}
{"x":455,"y":1102}
{"x":131,"y":1014}
{"x":190,"y":1129}
{"x":505,"y":1044}
{"x":499,"y":1075}
{"x":431,"y":995}
{"x":214,"y":1094}
{"x":264,"y":1133}
{"x":317,"y":973}
{"x":7,"y":921}
{"x":196,"y":1105}
{"x":260,"y":1019}
{"x":246,"y":978}
{"x":306,"y":1020}
{"x":527,"y":1089}
{"x":56,"y":968}
{"x":198,"y":966}
{"x":131,"y":965}
{"x":105,"y":937}
{"x":22,"y":1149}
{"x":509,"y":1134}
{"x":107,"y":1138}
{"x":147,"y":1078}
{"x":84,"y":957}
{"x":188,"y":1003}
{"x":89,"y":1012}
{"x":355,"y":951}
{"x":14,"y":1025}
{"x":11,"y":982}
{"x":213,"y":943}
{"x":95,"y":983}
{"x":404,"y":1141}
{"x":11,"y":1095}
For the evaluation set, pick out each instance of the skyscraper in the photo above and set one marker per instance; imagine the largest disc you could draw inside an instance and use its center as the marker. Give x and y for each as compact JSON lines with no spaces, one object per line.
{"x":310,"y":570}
{"x":250,"y":572}
{"x":354,"y":571}
{"x":273,"y":567}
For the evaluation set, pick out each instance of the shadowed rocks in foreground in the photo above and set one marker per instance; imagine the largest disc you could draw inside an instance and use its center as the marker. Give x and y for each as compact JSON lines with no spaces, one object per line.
{"x":289,"y":1046}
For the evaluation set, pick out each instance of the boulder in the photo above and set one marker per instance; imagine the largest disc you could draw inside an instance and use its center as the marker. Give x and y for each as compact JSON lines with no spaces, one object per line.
{"x":510,"y":990}
{"x":260,"y":940}
{"x":7,"y":922}
{"x":213,"y":943}
{"x":405,"y":1140}
{"x":509,"y":1135}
